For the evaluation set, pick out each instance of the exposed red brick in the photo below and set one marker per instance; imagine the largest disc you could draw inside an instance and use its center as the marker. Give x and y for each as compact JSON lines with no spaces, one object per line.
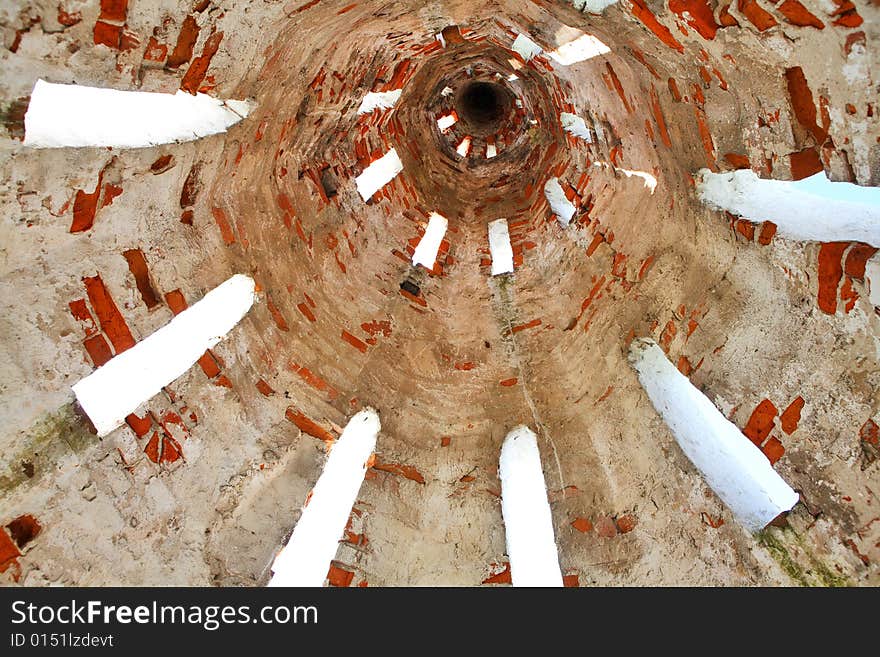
{"x":264,"y":388}
{"x":155,"y":51}
{"x":760,"y":423}
{"x":406,"y":471}
{"x":85,"y":207}
{"x":175,"y":301}
{"x":773,"y":450}
{"x":706,"y":138}
{"x":399,"y":75}
{"x":802,"y":103}
{"x":508,"y":382}
{"x":639,"y":55}
{"x":668,"y":335}
{"x":114,"y":10}
{"x":98,"y":349}
{"x":725,"y":19}
{"x":314,"y":380}
{"x":137,"y":265}
{"x":452,"y":35}
{"x":224,"y":225}
{"x":830,"y":271}
{"x":106,"y":34}
{"x":223,"y":381}
{"x":355,"y":342}
{"x":626,"y":523}
{"x":673,"y":90}
{"x":199,"y":67}
{"x":445,"y":441}
{"x":796,"y":14}
{"x":792,"y":415}
{"x":857,"y":259}
{"x":68,"y":19}
{"x":851,"y":41}
{"x":699,"y":98}
{"x":768,"y":230}
{"x":582,"y":525}
{"x":598,"y":238}
{"x":737,"y":161}
{"x":339,"y":576}
{"x":646,"y":265}
{"x":618,"y":265}
{"x":277,"y":317}
{"x":640,"y":11}
{"x":570,"y":581}
{"x":805,"y":163}
{"x":152,"y":447}
{"x":162,"y":448}
{"x":684,"y":366}
{"x":713,"y":522}
{"x":186,"y":42}
{"x":309,"y":426}
{"x":162,"y":164}
{"x":128,"y":41}
{"x":23,"y":529}
{"x":412,"y":297}
{"x":140,"y":426}
{"x":209,"y":364}
{"x":705,"y":76}
{"x":870,"y":433}
{"x":110,"y":193}
{"x":848,"y":15}
{"x":8,"y":551}
{"x":171,"y":450}
{"x":502,"y":577}
{"x":527,"y":325}
{"x":849,"y":19}
{"x":746,"y":229}
{"x":191,"y":187}
{"x":756,"y":15}
{"x":699,"y":16}
{"x":80,"y":312}
{"x":658,"y":117}
{"x":618,"y":87}
{"x":305,"y":310}
{"x":109,"y":317}
{"x":848,"y":294}
{"x":377,"y":327}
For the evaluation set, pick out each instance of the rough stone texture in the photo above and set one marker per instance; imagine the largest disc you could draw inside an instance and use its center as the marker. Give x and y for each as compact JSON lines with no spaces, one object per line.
{"x":206,"y":482}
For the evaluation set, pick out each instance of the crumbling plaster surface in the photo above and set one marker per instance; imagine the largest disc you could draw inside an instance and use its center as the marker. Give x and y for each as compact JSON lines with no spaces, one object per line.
{"x":466,"y":360}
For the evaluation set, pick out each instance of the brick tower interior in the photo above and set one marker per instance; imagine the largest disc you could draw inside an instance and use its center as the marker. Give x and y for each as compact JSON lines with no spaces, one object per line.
{"x":202,"y":485}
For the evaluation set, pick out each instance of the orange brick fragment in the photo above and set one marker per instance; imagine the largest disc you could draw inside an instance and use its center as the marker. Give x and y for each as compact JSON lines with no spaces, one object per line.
{"x":582,"y":525}
{"x":792,"y":415}
{"x":773,"y":450}
{"x":339,"y":576}
{"x":761,"y":422}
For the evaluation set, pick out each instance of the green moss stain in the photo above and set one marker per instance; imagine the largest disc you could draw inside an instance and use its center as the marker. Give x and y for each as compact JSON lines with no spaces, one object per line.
{"x":780,"y":553}
{"x":777,"y":542}
{"x":41,"y":446}
{"x":503,"y":307}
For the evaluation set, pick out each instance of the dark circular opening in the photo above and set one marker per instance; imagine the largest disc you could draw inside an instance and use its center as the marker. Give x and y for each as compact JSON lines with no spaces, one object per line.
{"x":482,"y":105}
